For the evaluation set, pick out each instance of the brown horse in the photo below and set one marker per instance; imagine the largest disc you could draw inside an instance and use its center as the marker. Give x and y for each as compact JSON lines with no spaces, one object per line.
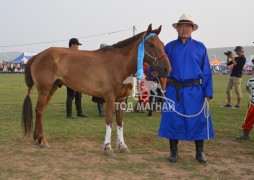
{"x":97,"y":73}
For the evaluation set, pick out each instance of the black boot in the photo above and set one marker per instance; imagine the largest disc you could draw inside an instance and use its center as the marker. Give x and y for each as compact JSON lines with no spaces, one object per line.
{"x":150,"y":113}
{"x":245,"y":136}
{"x":200,"y":156}
{"x":100,"y":109}
{"x":69,"y":107}
{"x":173,"y":150}
{"x":79,"y":108}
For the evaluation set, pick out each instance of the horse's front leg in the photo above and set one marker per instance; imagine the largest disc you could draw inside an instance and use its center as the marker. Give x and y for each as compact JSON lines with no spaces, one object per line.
{"x":109,"y":111}
{"x":119,"y":121}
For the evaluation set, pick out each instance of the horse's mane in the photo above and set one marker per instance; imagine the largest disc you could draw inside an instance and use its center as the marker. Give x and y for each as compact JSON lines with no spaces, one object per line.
{"x":127,"y":41}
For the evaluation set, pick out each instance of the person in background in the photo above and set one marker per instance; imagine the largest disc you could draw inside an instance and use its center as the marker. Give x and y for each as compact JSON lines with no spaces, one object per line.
{"x":12,"y":67}
{"x":235,"y":76}
{"x":71,"y":93}
{"x":252,"y":69}
{"x":155,"y":99}
{"x":189,"y":87}
{"x":143,"y":98}
{"x":249,"y":119}
{"x":100,"y":105}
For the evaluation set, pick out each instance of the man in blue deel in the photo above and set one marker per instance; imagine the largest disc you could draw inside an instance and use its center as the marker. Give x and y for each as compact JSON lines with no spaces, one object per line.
{"x":189,"y":86}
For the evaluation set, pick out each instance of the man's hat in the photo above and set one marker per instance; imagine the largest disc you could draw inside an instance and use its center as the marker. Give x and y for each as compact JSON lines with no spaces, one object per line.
{"x":74,"y":41}
{"x":186,"y":19}
{"x":238,"y":48}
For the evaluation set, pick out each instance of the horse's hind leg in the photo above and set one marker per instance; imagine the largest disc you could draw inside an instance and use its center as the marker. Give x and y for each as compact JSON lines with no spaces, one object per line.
{"x":119,"y":121}
{"x":43,"y":99}
{"x":39,"y":110}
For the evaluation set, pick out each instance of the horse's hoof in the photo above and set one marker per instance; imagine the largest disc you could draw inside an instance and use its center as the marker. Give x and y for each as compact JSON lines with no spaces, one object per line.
{"x":36,"y":142}
{"x":108,"y":151}
{"x":42,"y":145}
{"x":125,"y":150}
{"x":109,"y":154}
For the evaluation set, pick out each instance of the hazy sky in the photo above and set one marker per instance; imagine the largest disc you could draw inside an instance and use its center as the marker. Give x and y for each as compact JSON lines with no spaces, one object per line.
{"x":222,"y":23}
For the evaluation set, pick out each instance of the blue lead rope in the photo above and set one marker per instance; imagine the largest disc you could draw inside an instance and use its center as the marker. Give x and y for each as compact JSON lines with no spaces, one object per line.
{"x":141,"y":54}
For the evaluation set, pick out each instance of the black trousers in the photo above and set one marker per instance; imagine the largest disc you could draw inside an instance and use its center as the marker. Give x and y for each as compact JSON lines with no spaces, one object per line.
{"x":71,"y":94}
{"x":155,"y":99}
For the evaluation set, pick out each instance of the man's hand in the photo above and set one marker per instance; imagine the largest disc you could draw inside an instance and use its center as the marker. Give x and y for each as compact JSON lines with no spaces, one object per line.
{"x":154,"y":74}
{"x":208,"y":98}
{"x":231,"y":56}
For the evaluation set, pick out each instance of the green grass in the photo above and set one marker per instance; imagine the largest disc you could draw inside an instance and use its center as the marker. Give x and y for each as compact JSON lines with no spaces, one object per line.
{"x":140,"y":135}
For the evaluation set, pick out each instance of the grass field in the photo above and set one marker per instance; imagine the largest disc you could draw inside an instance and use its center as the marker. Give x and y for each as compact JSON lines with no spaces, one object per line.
{"x":75,"y":145}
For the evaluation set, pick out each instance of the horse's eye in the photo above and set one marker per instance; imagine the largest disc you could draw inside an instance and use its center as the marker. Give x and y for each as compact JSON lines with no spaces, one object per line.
{"x":152,"y":45}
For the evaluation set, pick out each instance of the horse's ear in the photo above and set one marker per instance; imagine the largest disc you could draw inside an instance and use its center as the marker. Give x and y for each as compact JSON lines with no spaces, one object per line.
{"x":157,"y":31}
{"x":149,"y":29}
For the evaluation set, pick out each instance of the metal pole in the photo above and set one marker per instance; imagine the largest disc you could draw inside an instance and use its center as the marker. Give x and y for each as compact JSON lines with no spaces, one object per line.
{"x":134,"y":29}
{"x":135,"y":81}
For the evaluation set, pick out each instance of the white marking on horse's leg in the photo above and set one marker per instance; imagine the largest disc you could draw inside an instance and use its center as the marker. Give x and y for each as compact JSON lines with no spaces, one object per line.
{"x":120,"y":141}
{"x":108,"y":151}
{"x":120,"y":135}
{"x":107,"y":141}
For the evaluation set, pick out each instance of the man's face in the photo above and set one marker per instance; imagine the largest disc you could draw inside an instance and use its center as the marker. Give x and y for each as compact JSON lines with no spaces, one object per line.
{"x":184,"y":30}
{"x":74,"y":46}
{"x":239,"y":53}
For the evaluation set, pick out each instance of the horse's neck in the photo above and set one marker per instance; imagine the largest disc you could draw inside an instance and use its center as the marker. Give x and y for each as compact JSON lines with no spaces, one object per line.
{"x":130,"y":60}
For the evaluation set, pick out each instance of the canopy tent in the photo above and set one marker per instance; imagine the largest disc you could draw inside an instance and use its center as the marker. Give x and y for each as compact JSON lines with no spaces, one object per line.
{"x":215,"y":62}
{"x":249,"y":63}
{"x":23,"y":58}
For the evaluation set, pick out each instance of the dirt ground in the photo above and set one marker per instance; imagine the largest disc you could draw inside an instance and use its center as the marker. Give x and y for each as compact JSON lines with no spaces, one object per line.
{"x":83,"y":159}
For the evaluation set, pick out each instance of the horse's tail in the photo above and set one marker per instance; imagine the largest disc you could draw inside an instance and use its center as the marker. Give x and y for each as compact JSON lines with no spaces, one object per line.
{"x":28,"y":76}
{"x":27,"y":111}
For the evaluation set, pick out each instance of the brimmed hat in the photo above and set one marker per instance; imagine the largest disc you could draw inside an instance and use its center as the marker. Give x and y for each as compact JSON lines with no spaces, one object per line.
{"x":186,"y":19}
{"x":238,"y":48}
{"x":74,"y":41}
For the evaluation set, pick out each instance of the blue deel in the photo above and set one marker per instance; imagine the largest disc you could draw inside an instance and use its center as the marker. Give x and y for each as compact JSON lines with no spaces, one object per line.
{"x":189,"y":62}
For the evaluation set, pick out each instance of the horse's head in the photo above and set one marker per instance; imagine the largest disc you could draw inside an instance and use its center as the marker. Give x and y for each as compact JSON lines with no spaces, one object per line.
{"x":155,"y":55}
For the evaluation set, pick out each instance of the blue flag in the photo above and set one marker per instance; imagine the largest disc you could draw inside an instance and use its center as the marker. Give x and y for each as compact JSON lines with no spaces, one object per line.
{"x":141,"y":54}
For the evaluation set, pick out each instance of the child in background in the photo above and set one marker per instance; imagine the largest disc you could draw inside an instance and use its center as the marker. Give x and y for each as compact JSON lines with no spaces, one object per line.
{"x":249,"y":120}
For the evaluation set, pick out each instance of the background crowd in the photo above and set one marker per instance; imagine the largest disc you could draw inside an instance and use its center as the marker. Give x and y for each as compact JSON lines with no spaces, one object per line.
{"x":223,"y":69}
{"x":217,"y":69}
{"x":8,"y":67}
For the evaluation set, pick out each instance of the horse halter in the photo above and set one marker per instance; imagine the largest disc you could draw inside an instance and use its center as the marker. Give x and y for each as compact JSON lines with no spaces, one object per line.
{"x":141,"y":54}
{"x":155,"y":60}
